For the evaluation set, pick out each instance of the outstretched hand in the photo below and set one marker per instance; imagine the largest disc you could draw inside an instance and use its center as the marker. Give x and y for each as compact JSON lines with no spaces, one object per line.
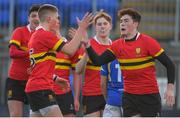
{"x":86,"y":20}
{"x":72,"y":32}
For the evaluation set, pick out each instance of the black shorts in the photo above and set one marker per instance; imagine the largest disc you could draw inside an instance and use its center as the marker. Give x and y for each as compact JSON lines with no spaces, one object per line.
{"x":16,"y":90}
{"x":66,"y":103}
{"x":41,"y":99}
{"x":93,"y":103}
{"x":147,"y":105}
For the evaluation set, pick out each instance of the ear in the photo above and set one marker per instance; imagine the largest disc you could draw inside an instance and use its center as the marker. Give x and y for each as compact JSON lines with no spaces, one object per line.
{"x":29,"y":19}
{"x":136,"y":24}
{"x":111,"y":25}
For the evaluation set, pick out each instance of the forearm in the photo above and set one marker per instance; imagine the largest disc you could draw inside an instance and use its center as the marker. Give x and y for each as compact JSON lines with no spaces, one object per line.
{"x":104,"y":91}
{"x":81,"y":65}
{"x":99,"y":60}
{"x":104,"y":86}
{"x":166,"y":61}
{"x":16,"y":53}
{"x":77,"y":86}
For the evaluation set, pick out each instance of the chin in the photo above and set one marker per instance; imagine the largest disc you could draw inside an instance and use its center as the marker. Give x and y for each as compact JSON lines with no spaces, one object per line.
{"x":123,"y":35}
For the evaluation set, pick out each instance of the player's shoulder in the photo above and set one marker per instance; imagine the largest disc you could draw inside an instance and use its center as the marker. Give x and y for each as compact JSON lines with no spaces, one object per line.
{"x":146,"y":37}
{"x":20,"y":29}
{"x":118,"y":41}
{"x":93,"y":41}
{"x":44,"y":33}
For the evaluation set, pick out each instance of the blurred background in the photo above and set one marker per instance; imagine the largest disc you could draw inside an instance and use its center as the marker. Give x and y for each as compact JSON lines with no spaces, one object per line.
{"x":160,"y":19}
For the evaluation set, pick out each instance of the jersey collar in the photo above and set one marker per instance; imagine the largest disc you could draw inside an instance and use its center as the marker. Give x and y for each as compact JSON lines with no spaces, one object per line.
{"x":95,"y":37}
{"x":28,"y":27}
{"x":40,"y":27}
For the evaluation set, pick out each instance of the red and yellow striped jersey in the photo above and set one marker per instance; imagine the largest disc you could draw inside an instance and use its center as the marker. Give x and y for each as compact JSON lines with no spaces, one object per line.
{"x":64,"y":64}
{"x":91,"y":84}
{"x":18,"y":67}
{"x":137,"y":63}
{"x":42,"y":47}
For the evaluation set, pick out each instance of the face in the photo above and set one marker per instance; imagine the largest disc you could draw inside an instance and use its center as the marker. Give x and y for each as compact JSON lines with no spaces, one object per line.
{"x":54,"y":22}
{"x":127,"y":25}
{"x":103,"y":27}
{"x":33,"y":20}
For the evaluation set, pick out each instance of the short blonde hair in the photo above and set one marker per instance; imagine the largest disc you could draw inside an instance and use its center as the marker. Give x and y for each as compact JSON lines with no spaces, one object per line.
{"x":46,"y":9}
{"x":102,"y":14}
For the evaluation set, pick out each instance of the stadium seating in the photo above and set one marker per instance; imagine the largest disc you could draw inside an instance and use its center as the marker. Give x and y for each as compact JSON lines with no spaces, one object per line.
{"x":110,"y":7}
{"x":23,"y":17}
{"x":78,"y":8}
{"x":24,"y":5}
{"x":4,"y":17}
{"x":4,"y":12}
{"x":4,"y":4}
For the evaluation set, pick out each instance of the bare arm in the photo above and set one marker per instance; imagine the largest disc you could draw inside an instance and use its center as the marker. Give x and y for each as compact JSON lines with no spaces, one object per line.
{"x":81,"y":65}
{"x":71,"y":47}
{"x":104,"y":86}
{"x":77,"y":88}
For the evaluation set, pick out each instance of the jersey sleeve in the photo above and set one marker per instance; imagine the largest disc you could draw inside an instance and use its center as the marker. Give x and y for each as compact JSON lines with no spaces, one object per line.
{"x":74,"y":59}
{"x":81,"y":52}
{"x":16,"y":38}
{"x":153,"y":47}
{"x":52,"y":42}
{"x":104,"y":70}
{"x":114,"y":47}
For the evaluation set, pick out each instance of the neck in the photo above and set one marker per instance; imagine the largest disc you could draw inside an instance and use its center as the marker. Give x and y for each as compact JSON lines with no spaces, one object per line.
{"x":44,"y":25}
{"x":131,"y":35}
{"x":103,"y":40}
{"x":32,"y":28}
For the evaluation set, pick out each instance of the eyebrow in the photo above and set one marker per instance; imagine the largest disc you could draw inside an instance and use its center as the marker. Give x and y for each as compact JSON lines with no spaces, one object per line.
{"x":125,"y":19}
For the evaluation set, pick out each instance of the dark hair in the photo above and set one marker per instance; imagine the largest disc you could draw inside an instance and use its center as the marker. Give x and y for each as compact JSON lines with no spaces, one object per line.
{"x":46,"y":9}
{"x":34,"y":8}
{"x":104,"y":15}
{"x":131,"y":12}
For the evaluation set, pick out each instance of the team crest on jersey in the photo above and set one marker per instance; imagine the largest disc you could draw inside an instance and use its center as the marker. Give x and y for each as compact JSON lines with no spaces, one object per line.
{"x":138,"y":51}
{"x":9,"y":94}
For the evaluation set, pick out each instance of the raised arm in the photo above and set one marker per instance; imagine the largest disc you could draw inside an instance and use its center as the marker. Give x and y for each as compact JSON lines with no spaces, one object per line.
{"x":71,"y":47}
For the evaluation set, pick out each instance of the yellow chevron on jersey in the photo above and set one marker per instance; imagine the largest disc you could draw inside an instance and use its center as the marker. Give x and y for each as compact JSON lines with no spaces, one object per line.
{"x":62,"y":67}
{"x":135,"y":60}
{"x":43,"y":56}
{"x":15,"y":42}
{"x":63,"y":61}
{"x":136,"y":63}
{"x":162,"y":50}
{"x":138,"y":66}
{"x":93,"y":67}
{"x":56,"y":46}
{"x":24,"y":48}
